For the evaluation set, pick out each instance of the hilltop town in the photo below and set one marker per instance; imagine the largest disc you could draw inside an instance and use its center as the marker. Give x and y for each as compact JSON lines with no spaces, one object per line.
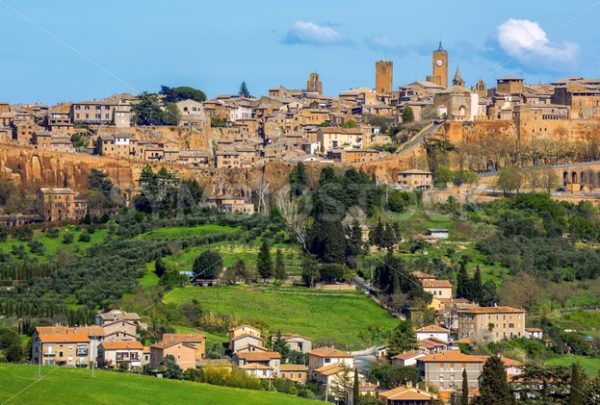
{"x":433,"y":242}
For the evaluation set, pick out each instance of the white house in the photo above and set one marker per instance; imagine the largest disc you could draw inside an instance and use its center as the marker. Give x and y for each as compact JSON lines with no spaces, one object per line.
{"x":432,"y":331}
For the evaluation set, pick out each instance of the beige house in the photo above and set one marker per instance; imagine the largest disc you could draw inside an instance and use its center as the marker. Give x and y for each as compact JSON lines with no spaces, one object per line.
{"x":231,"y":205}
{"x":339,"y":138}
{"x":192,"y":113}
{"x":65,"y":346}
{"x":187,"y":349}
{"x":328,"y":376}
{"x":407,"y":395}
{"x":268,"y":359}
{"x":245,"y":338}
{"x":194,"y":157}
{"x":491,"y":323}
{"x":118,"y":353}
{"x":415,"y":179}
{"x":118,"y":145}
{"x":120,"y":331}
{"x":444,"y":370}
{"x":297,"y":373}
{"x":227,"y":160}
{"x":326,"y":356}
{"x":437,"y":288}
{"x":295,"y":342}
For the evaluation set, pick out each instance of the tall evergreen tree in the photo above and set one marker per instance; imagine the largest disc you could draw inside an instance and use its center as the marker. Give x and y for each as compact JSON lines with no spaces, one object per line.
{"x":577,"y":386}
{"x":280,"y":273}
{"x":402,"y":339}
{"x":244,"y":90}
{"x":464,"y":398}
{"x":356,"y":389}
{"x":354,"y":246}
{"x":378,"y":234}
{"x":493,"y":386}
{"x":264,"y":263}
{"x":280,"y":346}
{"x":159,"y":267}
{"x":462,"y":282}
{"x":475,"y":287}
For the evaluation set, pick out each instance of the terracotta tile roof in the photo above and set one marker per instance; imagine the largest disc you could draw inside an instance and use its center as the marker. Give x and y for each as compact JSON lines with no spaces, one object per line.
{"x":492,"y":310}
{"x":337,"y":130}
{"x":255,"y":366}
{"x":184,"y":337}
{"x":124,"y":345}
{"x":330,"y":369}
{"x":407,"y":355}
{"x":511,"y":363}
{"x":428,"y":283}
{"x":406,"y":394}
{"x":65,"y":338}
{"x":147,"y":349}
{"x":258,"y":356}
{"x":422,"y":275}
{"x":432,"y":329}
{"x":163,"y":344}
{"x":293,"y":367}
{"x":246,"y":335}
{"x":54,"y":330}
{"x":328,"y":352}
{"x":244,"y":326}
{"x":431,"y":343}
{"x":452,"y":356}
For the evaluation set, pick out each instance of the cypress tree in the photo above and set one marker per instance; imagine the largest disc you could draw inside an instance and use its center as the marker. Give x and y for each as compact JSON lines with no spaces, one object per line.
{"x":462,"y":283}
{"x":280,"y":273}
{"x":264,"y":263}
{"x":577,"y":386}
{"x":475,"y":288}
{"x":464,"y":399}
{"x":355,"y":390}
{"x":493,"y":386}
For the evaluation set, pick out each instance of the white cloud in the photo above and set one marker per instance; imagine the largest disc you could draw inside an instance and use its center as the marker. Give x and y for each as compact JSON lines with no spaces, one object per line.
{"x":528,"y":43}
{"x":306,"y":32}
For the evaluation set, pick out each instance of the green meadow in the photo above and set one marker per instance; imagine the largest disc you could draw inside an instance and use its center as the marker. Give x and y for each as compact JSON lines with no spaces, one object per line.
{"x":20,"y":384}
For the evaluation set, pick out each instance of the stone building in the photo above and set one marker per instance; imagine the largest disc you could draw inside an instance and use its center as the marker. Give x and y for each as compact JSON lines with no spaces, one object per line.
{"x":314,"y":85}
{"x":491,"y":323}
{"x":60,"y":204}
{"x":384,"y":72}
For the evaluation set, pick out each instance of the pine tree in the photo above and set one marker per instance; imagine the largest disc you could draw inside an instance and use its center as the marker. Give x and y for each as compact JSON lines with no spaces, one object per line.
{"x":280,"y":346}
{"x":264,"y":263}
{"x":464,"y":398}
{"x":402,"y":339}
{"x":280,"y":273}
{"x":475,"y":287}
{"x":462,"y":283}
{"x":576,"y":396}
{"x":493,"y":385}
{"x":244,"y":90}
{"x":354,"y":247}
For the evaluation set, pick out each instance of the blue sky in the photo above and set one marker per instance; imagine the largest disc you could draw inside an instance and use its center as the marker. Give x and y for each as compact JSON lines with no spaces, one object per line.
{"x":66,"y":50}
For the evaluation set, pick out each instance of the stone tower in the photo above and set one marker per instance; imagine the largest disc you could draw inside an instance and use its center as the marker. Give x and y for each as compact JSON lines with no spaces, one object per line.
{"x":481,"y":89}
{"x":314,"y":84}
{"x":440,"y":66}
{"x":384,"y":71}
{"x":458,"y":80}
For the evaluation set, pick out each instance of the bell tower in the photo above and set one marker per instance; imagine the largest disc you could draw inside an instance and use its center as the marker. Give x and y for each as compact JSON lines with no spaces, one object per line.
{"x":440,"y":67}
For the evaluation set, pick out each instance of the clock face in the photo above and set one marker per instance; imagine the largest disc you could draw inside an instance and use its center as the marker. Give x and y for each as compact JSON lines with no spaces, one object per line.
{"x":439,"y":62}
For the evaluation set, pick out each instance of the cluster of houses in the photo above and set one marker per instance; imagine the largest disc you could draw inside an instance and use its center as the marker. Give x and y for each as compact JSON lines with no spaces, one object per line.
{"x":113,"y":342}
{"x":304,"y":124}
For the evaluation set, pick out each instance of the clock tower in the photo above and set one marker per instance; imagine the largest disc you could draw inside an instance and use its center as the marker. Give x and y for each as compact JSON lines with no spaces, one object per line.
{"x":440,"y":67}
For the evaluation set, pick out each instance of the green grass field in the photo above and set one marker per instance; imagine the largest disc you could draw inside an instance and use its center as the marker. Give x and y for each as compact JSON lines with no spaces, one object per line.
{"x":591,"y":365}
{"x":292,"y":256}
{"x":52,"y":246}
{"x":19,"y":384}
{"x":176,"y":232}
{"x":326,"y":317}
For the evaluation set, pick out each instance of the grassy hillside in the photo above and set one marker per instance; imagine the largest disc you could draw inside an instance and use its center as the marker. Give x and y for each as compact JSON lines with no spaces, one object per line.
{"x":326,"y":317}
{"x":52,"y":246}
{"x":60,"y":386}
{"x":176,"y":232}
